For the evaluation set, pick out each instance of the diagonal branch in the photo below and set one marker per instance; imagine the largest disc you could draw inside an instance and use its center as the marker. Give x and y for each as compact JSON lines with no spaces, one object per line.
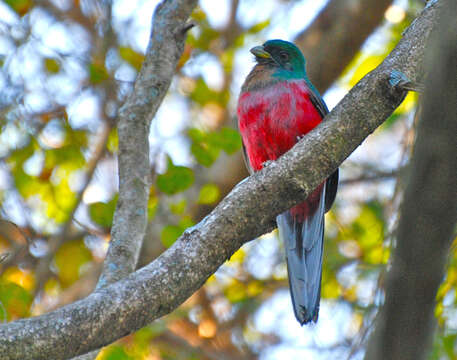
{"x":248,"y":211}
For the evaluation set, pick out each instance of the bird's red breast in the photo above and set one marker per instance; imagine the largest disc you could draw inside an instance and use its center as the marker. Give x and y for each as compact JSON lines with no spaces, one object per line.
{"x":271,"y":121}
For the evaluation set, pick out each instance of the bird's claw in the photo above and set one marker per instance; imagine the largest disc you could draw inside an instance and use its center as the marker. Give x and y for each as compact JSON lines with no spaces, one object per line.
{"x":399,"y":80}
{"x":267,"y":163}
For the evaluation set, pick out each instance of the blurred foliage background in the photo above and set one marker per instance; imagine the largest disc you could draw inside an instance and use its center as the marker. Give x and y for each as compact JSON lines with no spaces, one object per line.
{"x":65,"y":68}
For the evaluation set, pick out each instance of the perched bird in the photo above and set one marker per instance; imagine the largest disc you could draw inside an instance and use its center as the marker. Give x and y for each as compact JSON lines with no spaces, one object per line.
{"x":277,"y":106}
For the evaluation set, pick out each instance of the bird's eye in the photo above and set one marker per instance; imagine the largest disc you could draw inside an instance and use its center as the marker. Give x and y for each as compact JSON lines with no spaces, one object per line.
{"x":284,"y":56}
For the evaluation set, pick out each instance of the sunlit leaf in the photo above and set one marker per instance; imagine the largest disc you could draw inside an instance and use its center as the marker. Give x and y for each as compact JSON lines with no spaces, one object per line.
{"x":52,"y":65}
{"x":102,"y":213}
{"x":153,"y":203}
{"x":15,"y":300}
{"x":205,"y":154}
{"x":368,"y":64}
{"x":97,"y":73}
{"x":113,"y":141}
{"x":176,"y":179}
{"x":209,"y":194}
{"x":131,"y":56}
{"x":170,"y":233}
{"x":258,"y":27}
{"x":69,"y":260}
{"x":179,"y":207}
{"x":23,"y":278}
{"x":22,"y":7}
{"x":227,"y":139}
{"x":202,"y":94}
{"x":114,"y":352}
{"x":236,"y":291}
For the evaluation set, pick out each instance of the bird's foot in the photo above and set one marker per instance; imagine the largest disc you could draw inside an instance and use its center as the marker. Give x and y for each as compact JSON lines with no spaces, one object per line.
{"x":400,"y":81}
{"x":299,"y":137}
{"x":267,"y":163}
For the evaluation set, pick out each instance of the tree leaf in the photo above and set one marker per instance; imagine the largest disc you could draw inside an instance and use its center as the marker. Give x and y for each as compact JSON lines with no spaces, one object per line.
{"x":176,"y":179}
{"x":209,"y":194}
{"x":170,"y":233}
{"x":52,"y":65}
{"x":102,"y":213}
{"x":97,"y":73}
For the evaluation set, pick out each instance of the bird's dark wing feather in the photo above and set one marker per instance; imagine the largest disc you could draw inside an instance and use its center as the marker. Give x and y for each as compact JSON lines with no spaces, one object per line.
{"x":318,"y":103}
{"x":246,"y":160}
{"x":331,"y":185}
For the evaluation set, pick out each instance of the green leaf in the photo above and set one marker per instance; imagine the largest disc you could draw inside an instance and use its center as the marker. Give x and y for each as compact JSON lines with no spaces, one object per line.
{"x":15,"y":300}
{"x":153,"y":203}
{"x":52,"y":65}
{"x":22,"y":7}
{"x":179,"y":207}
{"x":102,"y":213}
{"x":175,"y":180}
{"x":170,"y":234}
{"x":69,"y":259}
{"x":97,"y":73}
{"x":113,"y":141}
{"x":115,"y":352}
{"x":186,"y":222}
{"x":227,"y":139}
{"x":203,"y":95}
{"x":209,"y":194}
{"x":131,"y":56}
{"x":258,"y":27}
{"x":205,"y":155}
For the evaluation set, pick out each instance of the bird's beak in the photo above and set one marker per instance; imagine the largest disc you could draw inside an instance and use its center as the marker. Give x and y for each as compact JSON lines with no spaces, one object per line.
{"x":259,"y":51}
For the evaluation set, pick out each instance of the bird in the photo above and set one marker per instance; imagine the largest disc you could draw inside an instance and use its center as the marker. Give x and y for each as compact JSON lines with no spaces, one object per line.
{"x":277,"y":106}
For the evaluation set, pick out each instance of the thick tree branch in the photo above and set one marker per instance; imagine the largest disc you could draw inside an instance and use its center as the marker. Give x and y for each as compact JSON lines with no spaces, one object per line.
{"x":428,"y":212}
{"x":249,"y":210}
{"x":165,"y":47}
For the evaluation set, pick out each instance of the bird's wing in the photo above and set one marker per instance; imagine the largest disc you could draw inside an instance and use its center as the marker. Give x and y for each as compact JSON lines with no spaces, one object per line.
{"x":331,"y":185}
{"x":246,"y":160}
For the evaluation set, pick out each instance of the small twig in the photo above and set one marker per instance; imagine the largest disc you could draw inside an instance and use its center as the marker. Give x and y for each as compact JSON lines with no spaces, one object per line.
{"x":370,"y":177}
{"x":4,"y":256}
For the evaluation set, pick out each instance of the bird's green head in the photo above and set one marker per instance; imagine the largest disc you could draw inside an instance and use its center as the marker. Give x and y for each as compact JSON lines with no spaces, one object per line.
{"x":282,"y":55}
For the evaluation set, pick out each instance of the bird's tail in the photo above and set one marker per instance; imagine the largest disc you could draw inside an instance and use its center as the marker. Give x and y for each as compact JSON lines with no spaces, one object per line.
{"x":303,"y":240}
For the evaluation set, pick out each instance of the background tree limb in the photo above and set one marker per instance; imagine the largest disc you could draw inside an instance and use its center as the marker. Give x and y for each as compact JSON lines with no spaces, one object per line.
{"x":429,"y":210}
{"x":327,"y":49}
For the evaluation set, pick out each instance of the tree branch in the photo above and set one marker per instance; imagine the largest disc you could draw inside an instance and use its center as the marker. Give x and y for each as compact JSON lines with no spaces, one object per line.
{"x":165,"y":47}
{"x":429,"y":210}
{"x":248,"y":211}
